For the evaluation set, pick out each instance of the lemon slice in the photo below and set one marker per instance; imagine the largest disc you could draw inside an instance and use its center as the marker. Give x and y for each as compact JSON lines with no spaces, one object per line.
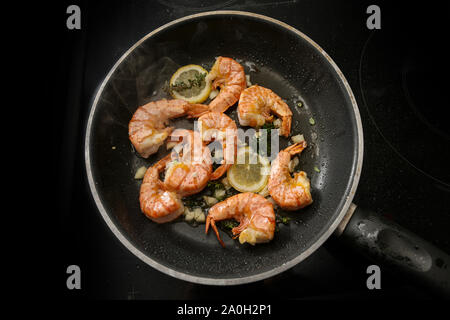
{"x":191,"y":84}
{"x":250,"y":173}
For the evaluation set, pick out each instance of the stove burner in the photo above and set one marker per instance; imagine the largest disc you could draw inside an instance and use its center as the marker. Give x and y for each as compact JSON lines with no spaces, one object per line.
{"x":401,"y":79}
{"x":425,"y":96}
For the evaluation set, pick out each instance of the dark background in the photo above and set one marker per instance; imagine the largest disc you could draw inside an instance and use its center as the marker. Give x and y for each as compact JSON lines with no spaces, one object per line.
{"x":412,"y":190}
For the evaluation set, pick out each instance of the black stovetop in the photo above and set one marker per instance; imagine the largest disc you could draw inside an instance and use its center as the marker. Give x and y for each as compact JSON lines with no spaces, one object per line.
{"x":405,"y":172}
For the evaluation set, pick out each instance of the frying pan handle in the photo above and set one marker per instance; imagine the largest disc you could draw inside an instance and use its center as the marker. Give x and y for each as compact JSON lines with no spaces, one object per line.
{"x":389,"y":244}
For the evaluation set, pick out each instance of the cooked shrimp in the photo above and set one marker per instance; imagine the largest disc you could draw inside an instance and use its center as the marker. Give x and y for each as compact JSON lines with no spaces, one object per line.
{"x":253,"y":211}
{"x":158,"y":203}
{"x":147,"y":128}
{"x":189,"y":169}
{"x":220,"y":127}
{"x":229,"y":76}
{"x":256,"y":105}
{"x":289,"y":193}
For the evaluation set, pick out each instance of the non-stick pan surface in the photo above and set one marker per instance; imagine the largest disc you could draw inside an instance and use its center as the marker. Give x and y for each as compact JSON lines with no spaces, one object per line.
{"x":275,"y":56}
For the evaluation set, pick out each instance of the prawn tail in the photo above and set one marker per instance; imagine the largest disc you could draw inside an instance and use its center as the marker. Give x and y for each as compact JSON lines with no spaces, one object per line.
{"x":220,"y":171}
{"x":213,"y":225}
{"x":296,"y":148}
{"x":286,"y":126}
{"x":196,"y":110}
{"x":208,"y":222}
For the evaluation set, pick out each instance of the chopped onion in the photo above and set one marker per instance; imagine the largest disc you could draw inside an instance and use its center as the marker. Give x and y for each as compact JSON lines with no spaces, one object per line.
{"x":213,"y":94}
{"x":188,"y":214}
{"x":198,"y":215}
{"x":226,"y":183}
{"x":219,"y":194}
{"x":200,"y":218}
{"x":277,"y":123}
{"x":247,"y":77}
{"x":197,"y":212}
{"x":210,"y":200}
{"x":140,"y":173}
{"x":298,"y":138}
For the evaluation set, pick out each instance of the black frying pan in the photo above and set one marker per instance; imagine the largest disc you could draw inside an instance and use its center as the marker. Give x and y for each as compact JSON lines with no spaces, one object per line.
{"x":276,"y":56}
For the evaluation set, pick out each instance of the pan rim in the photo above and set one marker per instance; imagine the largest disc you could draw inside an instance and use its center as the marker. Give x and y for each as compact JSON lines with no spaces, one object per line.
{"x":356,"y":169}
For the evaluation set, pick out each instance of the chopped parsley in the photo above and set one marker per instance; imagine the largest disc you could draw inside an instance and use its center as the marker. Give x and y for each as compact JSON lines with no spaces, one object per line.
{"x":194,"y":202}
{"x":182,"y":85}
{"x":215,"y":185}
{"x":229,"y":224}
{"x":282,"y":219}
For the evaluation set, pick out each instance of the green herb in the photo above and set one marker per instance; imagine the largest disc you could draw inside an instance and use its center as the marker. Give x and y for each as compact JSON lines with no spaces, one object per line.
{"x":229,"y":224}
{"x":197,"y":82}
{"x":215,"y":185}
{"x":316,"y":169}
{"x":285,"y":220}
{"x":200,"y":78}
{"x":194,"y":201}
{"x":282,"y":219}
{"x":312,"y":121}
